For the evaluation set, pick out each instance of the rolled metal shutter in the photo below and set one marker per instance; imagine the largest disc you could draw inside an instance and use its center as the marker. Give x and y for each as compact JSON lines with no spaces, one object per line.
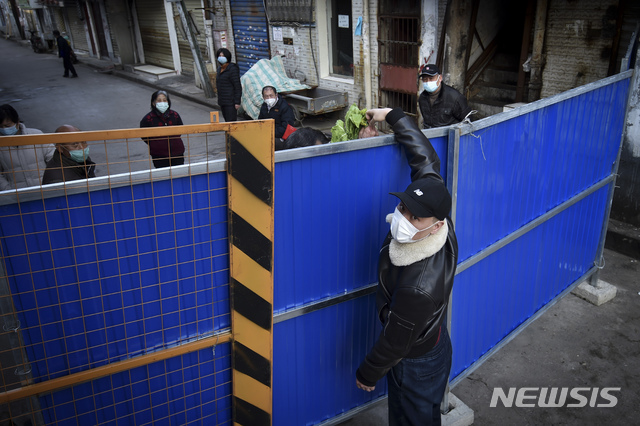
{"x":154,"y":33}
{"x":58,"y":19}
{"x":249,"y":32}
{"x":77,"y":30}
{"x":112,"y":34}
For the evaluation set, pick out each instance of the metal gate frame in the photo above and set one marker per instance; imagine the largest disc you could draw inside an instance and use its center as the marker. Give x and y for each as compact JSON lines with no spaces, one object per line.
{"x":592,"y":275}
{"x":312,"y":310}
{"x":249,"y":170}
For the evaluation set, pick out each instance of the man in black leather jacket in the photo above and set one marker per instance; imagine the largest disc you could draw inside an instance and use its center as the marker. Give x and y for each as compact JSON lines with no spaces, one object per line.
{"x":416,"y":268}
{"x":440,"y":105}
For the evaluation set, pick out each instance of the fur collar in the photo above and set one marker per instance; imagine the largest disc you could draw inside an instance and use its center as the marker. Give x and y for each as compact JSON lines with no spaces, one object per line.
{"x":407,"y":254}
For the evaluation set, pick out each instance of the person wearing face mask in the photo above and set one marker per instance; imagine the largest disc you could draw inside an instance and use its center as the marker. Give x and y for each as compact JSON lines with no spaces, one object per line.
{"x":165,"y":151}
{"x":276,"y":108}
{"x":228,"y":85}
{"x":21,"y":166}
{"x":416,"y":267}
{"x":440,"y":105}
{"x":70,"y":162}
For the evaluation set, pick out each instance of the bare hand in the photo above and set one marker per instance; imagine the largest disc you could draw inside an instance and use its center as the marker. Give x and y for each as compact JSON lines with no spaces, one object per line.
{"x":363,"y":387}
{"x":369,"y":131}
{"x":237,"y":106}
{"x":377,"y":114}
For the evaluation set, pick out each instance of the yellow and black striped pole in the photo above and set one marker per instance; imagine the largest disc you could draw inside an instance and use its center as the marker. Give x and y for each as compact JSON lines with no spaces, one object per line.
{"x":250,"y":150}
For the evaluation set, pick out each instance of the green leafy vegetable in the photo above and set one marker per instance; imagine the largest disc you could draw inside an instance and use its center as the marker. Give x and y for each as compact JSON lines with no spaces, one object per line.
{"x":338,"y":134}
{"x":354,"y":120}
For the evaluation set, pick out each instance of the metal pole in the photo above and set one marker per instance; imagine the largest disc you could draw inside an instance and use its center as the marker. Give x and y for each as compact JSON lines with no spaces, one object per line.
{"x":201,"y":68}
{"x":634,"y":82}
{"x":453,"y":159}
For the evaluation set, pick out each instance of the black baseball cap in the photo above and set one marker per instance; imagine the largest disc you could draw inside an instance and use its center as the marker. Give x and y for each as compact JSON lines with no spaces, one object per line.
{"x":426,"y":197}
{"x":429,"y":69}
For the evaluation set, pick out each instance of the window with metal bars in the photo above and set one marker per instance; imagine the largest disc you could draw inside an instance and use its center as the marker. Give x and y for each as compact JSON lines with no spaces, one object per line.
{"x":399,"y":45}
{"x":398,"y":40}
{"x":408,"y":102}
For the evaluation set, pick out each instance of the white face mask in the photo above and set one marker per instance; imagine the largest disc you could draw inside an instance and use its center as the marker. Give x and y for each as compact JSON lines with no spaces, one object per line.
{"x":270,"y":102}
{"x":162,"y":106}
{"x":430,"y":86}
{"x":402,"y":230}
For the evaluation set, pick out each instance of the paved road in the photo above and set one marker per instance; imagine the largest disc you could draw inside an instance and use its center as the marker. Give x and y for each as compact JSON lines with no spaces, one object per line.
{"x":33,"y":84}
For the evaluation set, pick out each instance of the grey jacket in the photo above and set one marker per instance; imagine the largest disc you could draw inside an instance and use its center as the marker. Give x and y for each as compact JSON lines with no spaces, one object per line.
{"x":22,"y":166}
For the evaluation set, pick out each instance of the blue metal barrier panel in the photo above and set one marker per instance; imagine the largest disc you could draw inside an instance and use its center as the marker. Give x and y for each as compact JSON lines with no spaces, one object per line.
{"x":513,"y":172}
{"x":315,"y":359}
{"x":192,"y":389}
{"x":337,"y":201}
{"x":493,"y":297}
{"x":106,"y":275}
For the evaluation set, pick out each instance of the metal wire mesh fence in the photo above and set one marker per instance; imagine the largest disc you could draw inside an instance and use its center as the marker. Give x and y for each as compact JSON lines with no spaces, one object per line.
{"x":114,"y":290}
{"x":193,"y":388}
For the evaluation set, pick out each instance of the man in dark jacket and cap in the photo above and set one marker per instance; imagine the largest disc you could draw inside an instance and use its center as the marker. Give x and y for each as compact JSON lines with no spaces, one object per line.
{"x":440,"y":105}
{"x":276,"y":108}
{"x":416,"y":267}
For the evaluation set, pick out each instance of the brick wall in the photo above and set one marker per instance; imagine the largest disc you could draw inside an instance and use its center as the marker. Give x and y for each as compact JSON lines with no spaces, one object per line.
{"x":578,"y":43}
{"x":303,"y":64}
{"x":297,"y":58}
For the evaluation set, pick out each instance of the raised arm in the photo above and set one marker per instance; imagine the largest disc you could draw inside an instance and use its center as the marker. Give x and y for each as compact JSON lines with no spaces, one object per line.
{"x":422,"y":158}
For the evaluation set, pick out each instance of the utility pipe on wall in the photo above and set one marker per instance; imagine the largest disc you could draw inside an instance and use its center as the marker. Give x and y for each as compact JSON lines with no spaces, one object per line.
{"x":366,"y":53}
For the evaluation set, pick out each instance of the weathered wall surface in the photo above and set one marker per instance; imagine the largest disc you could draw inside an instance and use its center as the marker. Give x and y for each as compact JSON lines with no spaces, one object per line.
{"x":626,"y":198}
{"x":297,"y":57}
{"x":578,"y":43}
{"x":302,"y":57}
{"x":491,"y":17}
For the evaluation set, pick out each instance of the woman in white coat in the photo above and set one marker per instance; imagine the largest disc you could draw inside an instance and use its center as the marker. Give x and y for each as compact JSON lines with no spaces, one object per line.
{"x":20,"y":165}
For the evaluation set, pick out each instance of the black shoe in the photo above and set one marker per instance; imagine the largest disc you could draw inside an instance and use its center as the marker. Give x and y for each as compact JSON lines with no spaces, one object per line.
{"x":65,"y":76}
{"x":74,"y":76}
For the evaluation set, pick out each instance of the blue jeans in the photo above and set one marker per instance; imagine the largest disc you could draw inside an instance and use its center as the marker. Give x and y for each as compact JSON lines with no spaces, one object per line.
{"x":417,"y":385}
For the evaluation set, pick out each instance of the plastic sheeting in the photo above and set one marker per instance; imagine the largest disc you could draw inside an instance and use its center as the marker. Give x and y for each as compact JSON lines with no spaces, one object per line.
{"x":267,"y":72}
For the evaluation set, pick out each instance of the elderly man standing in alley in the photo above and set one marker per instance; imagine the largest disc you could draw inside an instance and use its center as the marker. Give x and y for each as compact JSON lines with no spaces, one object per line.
{"x":70,"y":161}
{"x":440,"y":105}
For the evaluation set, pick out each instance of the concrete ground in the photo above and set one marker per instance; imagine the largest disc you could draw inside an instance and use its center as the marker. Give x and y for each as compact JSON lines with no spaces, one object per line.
{"x":573,"y":344}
